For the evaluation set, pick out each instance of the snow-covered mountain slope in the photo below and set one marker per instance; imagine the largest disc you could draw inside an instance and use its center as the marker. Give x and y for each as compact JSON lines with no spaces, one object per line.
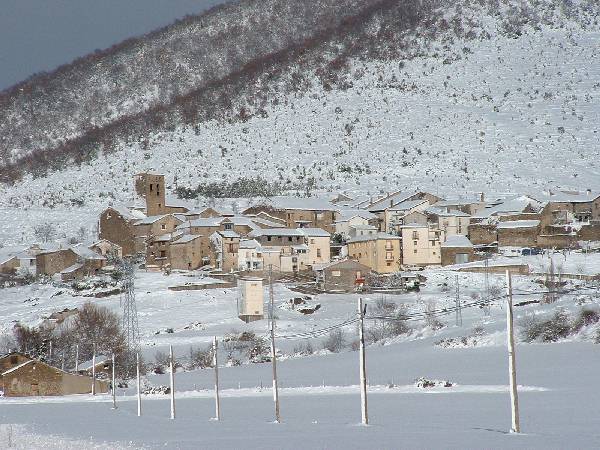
{"x":494,"y":113}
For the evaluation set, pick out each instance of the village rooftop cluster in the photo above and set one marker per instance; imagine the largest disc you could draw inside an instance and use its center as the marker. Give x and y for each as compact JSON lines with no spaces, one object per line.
{"x":343,"y":237}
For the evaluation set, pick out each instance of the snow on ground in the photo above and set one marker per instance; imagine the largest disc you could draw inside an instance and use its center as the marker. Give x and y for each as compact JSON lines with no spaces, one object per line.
{"x":319,"y":393}
{"x":501,"y":117}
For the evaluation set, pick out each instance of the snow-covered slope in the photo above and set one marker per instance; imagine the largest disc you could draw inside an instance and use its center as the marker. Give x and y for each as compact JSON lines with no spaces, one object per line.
{"x":496,"y":113}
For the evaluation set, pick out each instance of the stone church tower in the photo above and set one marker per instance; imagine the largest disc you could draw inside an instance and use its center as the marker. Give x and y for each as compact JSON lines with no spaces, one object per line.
{"x":151,"y":187}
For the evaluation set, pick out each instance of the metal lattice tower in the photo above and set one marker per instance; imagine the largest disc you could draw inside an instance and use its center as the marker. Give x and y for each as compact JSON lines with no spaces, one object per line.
{"x":130,"y":317}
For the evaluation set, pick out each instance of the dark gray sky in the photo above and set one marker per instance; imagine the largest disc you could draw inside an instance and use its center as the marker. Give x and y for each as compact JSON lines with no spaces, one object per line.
{"x":39,"y":35}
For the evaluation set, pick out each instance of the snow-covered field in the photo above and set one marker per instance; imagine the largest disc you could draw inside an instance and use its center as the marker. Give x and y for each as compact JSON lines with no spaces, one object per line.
{"x":319,"y":394}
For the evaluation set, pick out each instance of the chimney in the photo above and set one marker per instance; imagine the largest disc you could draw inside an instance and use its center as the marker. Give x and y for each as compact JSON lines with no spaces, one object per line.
{"x":482,"y":197}
{"x":391,"y":202}
{"x":588,"y":191}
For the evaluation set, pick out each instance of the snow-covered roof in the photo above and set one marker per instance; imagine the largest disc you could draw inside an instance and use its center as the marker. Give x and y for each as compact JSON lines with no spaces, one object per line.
{"x":87,"y":365}
{"x":8,"y":253}
{"x":363,"y":227}
{"x":571,"y":197}
{"x":457,"y":241}
{"x":372,"y":237}
{"x":407,"y":205}
{"x":178,"y":203}
{"x":300,"y":247}
{"x":450,"y":213}
{"x":390,"y":201}
{"x":86,"y":253}
{"x":150,"y":219}
{"x":346,"y":214}
{"x":127,"y":213}
{"x":518,"y":224}
{"x":12,"y":369}
{"x":314,"y":232}
{"x":229,"y":234}
{"x":308,"y":203}
{"x":73,"y":268}
{"x":275,"y":232}
{"x":186,"y":238}
{"x":514,"y":205}
{"x":249,"y":244}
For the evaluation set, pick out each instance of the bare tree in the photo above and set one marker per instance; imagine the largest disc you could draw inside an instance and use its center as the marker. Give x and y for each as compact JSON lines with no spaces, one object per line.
{"x":45,"y":232}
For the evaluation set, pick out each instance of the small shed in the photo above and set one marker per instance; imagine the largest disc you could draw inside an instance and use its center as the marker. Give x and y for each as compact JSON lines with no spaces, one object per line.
{"x":36,"y":378}
{"x":457,"y":249}
{"x":345,"y":275}
{"x":250,"y":304}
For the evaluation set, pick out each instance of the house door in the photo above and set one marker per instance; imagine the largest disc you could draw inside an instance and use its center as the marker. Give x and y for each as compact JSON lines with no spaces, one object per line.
{"x":35,"y":389}
{"x":462,"y":258}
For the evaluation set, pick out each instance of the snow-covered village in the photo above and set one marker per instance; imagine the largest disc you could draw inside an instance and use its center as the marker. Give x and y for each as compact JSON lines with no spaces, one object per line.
{"x":312,"y":224}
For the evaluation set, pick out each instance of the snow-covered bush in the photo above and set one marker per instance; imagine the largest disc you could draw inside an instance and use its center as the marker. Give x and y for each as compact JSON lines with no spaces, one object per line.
{"x":335,"y":342}
{"x":585,"y":318}
{"x":200,"y":358}
{"x":550,"y":330}
{"x":425,"y":383}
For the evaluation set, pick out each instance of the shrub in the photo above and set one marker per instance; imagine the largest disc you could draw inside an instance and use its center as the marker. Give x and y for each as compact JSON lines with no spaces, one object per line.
{"x":335,"y":342}
{"x":585,"y":318}
{"x":200,"y":358}
{"x":551,"y":330}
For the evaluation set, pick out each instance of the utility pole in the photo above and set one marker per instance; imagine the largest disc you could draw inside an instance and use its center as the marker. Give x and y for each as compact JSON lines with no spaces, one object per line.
{"x":363,"y":364}
{"x":114,"y":385}
{"x":50,"y":354}
{"x":62,"y":366}
{"x":77,"y":358}
{"x":458,"y":305}
{"x":216,"y":366}
{"x":172,"y":379}
{"x":94,"y":370}
{"x":139,"y":392}
{"x":273,"y":354}
{"x":487,"y":305}
{"x":514,"y":398}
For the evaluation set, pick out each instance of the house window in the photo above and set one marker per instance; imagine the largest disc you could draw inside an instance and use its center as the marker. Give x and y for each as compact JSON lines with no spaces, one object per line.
{"x":318,"y":253}
{"x":389,"y":255}
{"x":388,"y":264}
{"x":228,"y":226}
{"x":312,"y":241}
{"x":230,"y":248}
{"x":151,"y":186}
{"x":163,"y":254}
{"x":269,"y":238}
{"x":415,"y":250}
{"x":336,"y":273}
{"x":159,"y":205}
{"x":163,"y":226}
{"x":289,"y":238}
{"x":415,"y":235}
{"x":415,"y":243}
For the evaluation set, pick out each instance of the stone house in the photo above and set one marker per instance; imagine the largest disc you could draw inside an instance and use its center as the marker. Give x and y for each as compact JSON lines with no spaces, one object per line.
{"x":151,"y":227}
{"x":518,"y":233}
{"x":421,"y":245}
{"x":581,"y":206}
{"x":452,"y":222}
{"x":469,"y":207}
{"x":353,"y":219}
{"x":9,"y":263}
{"x":405,"y":212}
{"x":107,"y":249}
{"x":50,"y":262}
{"x":151,"y":188}
{"x":300,"y":212}
{"x":35,"y":378}
{"x":188,"y":252}
{"x":318,"y":242}
{"x":283,"y":248}
{"x":456,"y":250}
{"x":227,"y":247}
{"x":361,"y":230}
{"x":417,"y":217}
{"x":344,"y":275}
{"x":380,"y":252}
{"x":483,"y":233}
{"x":396,"y":199}
{"x":117,"y":225}
{"x":250,"y":256}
